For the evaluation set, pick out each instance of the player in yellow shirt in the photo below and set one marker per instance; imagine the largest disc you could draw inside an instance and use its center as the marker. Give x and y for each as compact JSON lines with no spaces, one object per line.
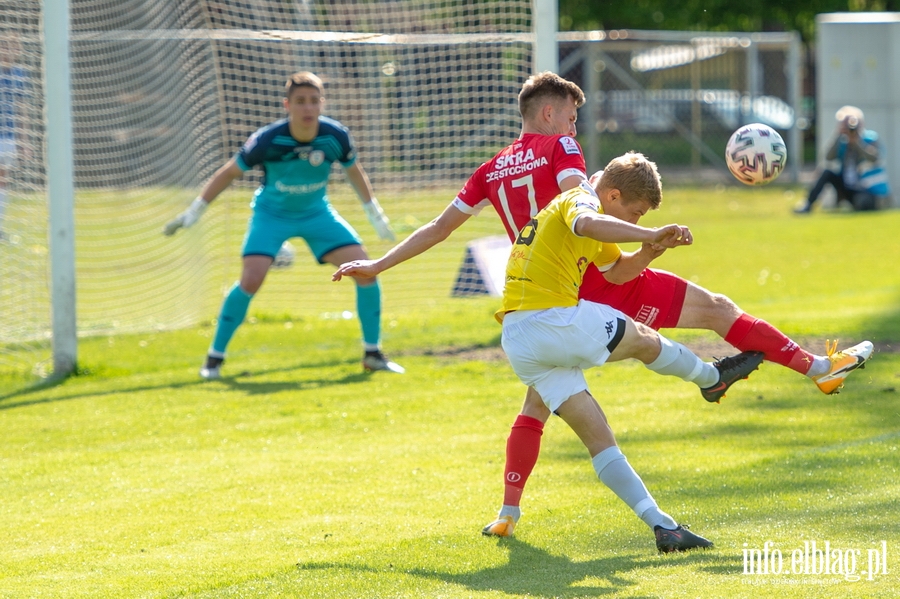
{"x":550,"y":336}
{"x":545,"y":271}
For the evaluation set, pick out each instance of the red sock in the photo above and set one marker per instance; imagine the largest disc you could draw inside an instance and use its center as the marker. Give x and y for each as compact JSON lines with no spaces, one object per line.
{"x":752,"y":334}
{"x":522,"y":449}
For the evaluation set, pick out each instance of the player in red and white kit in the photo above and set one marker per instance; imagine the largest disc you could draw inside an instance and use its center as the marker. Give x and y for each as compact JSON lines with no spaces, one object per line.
{"x":519,"y":181}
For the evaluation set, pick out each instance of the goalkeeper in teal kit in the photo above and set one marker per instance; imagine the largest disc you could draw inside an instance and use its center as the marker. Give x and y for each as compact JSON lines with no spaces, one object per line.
{"x":295,"y":155}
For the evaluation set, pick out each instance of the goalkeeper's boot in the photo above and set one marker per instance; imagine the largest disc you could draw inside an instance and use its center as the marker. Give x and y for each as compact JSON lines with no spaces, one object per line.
{"x":501,"y":527}
{"x":731,"y":370}
{"x":680,"y":539}
{"x":375,"y":360}
{"x":842,"y":363}
{"x":212,"y":368}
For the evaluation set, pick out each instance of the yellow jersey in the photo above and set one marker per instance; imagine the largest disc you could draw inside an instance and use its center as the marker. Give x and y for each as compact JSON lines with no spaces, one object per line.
{"x":548,"y":260}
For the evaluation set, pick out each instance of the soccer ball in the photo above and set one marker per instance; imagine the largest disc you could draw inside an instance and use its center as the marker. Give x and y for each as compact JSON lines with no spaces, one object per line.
{"x":285,"y":256}
{"x":755,"y":154}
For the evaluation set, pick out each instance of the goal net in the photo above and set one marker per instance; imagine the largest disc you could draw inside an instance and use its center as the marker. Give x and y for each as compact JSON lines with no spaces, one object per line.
{"x":164,"y":92}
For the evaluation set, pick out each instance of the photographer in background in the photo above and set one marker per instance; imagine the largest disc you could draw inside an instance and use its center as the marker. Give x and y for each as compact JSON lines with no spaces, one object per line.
{"x":860,"y":179}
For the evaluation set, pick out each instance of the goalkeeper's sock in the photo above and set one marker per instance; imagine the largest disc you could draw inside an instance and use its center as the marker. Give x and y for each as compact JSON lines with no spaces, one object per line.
{"x":368,"y":306}
{"x":522,"y":449}
{"x":753,"y":334}
{"x":234,"y":309}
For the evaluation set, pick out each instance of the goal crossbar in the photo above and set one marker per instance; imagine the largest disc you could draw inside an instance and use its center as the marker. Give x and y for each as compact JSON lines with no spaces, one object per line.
{"x":309,"y":36}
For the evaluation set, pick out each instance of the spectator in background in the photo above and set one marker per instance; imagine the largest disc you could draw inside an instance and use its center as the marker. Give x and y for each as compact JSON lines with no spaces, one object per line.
{"x":859,"y":179}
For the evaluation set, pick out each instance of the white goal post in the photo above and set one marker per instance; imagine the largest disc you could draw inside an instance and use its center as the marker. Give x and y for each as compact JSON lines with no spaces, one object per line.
{"x":60,"y":186}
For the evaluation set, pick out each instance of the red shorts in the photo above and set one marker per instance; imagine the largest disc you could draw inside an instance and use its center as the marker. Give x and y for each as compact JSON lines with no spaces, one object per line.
{"x":654,"y":298}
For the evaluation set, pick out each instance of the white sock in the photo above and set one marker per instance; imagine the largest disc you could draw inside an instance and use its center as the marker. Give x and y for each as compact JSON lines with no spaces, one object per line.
{"x":510,"y":510}
{"x":676,"y":360}
{"x":616,"y":473}
{"x":820,"y":365}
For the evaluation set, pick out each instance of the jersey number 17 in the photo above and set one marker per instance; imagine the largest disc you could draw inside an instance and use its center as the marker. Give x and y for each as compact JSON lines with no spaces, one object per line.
{"x":526,"y":182}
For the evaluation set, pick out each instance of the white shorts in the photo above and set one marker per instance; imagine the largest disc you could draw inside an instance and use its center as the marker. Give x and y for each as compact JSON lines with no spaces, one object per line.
{"x":549,"y":349}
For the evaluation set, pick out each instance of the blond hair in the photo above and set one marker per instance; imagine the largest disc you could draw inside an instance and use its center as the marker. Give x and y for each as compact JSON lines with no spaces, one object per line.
{"x":303,"y":79}
{"x":635,"y":177}
{"x":547,"y":87}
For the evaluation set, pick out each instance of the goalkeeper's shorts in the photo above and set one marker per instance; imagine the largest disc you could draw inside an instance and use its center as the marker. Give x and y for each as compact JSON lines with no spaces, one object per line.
{"x":323,"y":232}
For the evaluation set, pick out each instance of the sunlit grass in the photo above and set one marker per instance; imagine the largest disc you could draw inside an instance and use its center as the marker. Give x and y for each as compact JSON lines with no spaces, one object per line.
{"x":299,"y":476}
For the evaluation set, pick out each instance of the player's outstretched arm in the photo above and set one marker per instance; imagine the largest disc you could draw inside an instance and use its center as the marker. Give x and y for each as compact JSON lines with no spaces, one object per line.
{"x":363,"y":269}
{"x":422,"y":239}
{"x":216,"y":185}
{"x":609,"y":229}
{"x":631,"y":264}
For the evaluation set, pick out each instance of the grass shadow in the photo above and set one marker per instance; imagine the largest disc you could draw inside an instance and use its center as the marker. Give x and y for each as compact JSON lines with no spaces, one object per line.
{"x":534,"y":572}
{"x":235,"y":382}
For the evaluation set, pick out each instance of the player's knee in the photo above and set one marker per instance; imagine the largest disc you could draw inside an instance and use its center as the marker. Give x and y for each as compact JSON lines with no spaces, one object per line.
{"x":649,"y":348}
{"x":722,"y":310}
{"x":705,"y":308}
{"x":640,"y":342}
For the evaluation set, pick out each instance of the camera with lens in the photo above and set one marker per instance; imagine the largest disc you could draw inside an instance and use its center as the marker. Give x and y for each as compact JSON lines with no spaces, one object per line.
{"x":852,"y":123}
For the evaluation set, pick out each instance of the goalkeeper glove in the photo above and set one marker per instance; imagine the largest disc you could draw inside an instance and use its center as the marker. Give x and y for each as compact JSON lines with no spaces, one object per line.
{"x":379,"y":221}
{"x":186,"y":218}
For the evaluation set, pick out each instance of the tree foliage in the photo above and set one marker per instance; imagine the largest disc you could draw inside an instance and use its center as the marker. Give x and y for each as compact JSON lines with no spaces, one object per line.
{"x":709,"y":15}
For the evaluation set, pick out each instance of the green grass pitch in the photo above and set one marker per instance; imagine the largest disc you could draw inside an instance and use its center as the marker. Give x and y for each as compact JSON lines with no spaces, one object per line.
{"x":299,"y":476}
